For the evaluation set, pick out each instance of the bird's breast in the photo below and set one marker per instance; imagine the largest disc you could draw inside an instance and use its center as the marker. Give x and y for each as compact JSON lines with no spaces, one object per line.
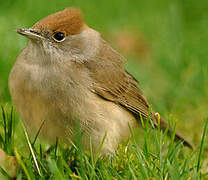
{"x":61,"y":97}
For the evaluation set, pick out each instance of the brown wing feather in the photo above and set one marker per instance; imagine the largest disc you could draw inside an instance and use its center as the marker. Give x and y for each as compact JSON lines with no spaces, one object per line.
{"x":114,"y":83}
{"x":124,"y":93}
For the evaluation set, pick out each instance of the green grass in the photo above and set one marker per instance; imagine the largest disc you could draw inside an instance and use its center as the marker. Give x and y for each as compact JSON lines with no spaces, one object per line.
{"x":158,"y":157}
{"x":173,"y":78}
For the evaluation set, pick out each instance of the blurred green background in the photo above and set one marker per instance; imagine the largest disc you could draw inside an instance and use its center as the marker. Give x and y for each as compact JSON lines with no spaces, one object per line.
{"x":164,"y":42}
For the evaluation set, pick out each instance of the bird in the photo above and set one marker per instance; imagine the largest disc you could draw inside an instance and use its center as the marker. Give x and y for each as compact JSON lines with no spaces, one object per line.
{"x":68,"y":74}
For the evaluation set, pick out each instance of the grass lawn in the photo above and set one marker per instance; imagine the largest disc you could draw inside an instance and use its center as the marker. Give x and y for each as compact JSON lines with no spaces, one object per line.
{"x":165,"y":44}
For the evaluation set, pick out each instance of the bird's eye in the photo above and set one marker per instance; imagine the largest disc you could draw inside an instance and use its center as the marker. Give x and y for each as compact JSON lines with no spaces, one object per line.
{"x":58,"y":36}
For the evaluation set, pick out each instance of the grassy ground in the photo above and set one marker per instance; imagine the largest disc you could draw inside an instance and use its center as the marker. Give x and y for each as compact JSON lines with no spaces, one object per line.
{"x":157,"y":157}
{"x":165,"y":43}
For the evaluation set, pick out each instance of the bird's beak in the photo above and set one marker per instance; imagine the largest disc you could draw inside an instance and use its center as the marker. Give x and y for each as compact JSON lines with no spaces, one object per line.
{"x":29,"y":33}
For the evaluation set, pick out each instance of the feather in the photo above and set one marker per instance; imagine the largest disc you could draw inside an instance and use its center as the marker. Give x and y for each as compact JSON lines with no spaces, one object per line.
{"x":114,"y":83}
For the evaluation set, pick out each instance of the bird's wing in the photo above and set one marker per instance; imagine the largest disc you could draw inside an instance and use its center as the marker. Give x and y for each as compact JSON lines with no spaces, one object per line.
{"x":112,"y":82}
{"x":124,"y":91}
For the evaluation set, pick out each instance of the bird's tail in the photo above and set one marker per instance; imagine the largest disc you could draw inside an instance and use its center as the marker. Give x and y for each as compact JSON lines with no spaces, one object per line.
{"x":159,"y":122}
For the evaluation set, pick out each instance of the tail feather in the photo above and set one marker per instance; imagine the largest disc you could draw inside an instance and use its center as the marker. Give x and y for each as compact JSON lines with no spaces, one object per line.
{"x":164,"y":125}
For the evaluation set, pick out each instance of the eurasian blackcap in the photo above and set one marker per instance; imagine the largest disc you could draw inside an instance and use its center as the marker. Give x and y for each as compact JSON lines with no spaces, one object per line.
{"x":68,"y":74}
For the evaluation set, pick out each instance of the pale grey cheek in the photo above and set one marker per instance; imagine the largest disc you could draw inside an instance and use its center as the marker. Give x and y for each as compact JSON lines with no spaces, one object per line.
{"x":65,"y":51}
{"x":51,"y":50}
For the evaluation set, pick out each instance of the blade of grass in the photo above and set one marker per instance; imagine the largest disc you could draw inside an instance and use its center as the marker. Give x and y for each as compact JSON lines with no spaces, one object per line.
{"x":10,"y":124}
{"x":4,"y":173}
{"x":22,"y":164}
{"x":202,"y":146}
{"x":7,"y":137}
{"x":32,"y":152}
{"x":56,"y":148}
{"x":5,"y":127}
{"x":100,"y":147}
{"x":37,"y":134}
{"x":91,"y":151}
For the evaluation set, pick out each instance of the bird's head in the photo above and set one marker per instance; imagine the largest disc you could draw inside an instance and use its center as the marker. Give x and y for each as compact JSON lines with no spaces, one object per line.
{"x":63,"y":33}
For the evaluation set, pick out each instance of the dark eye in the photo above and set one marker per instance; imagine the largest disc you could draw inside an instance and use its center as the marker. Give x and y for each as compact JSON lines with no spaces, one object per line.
{"x":59,"y":36}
